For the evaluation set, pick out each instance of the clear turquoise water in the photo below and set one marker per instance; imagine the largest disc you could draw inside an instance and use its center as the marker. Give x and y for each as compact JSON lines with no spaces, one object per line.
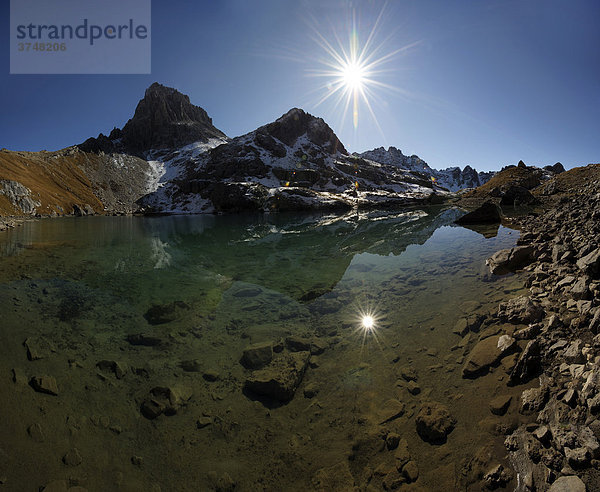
{"x":84,"y":284}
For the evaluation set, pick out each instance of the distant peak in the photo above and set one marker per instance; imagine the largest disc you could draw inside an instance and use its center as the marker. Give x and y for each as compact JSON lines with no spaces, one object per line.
{"x":296,"y":123}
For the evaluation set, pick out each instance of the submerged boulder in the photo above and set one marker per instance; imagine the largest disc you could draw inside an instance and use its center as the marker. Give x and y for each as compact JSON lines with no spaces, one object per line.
{"x":486,"y":354}
{"x":281,"y":378}
{"x":434,"y":422}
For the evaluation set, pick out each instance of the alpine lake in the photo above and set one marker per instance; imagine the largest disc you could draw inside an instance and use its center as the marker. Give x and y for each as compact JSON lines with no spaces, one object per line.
{"x":123,"y":363}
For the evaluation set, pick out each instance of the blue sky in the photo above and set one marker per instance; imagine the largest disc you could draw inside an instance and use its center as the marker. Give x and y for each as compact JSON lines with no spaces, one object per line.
{"x":483,"y":82}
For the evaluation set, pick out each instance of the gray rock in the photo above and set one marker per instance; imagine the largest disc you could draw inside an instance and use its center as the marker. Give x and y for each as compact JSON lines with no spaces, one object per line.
{"x":568,"y":484}
{"x":520,"y":310}
{"x":577,"y":457}
{"x":590,"y":263}
{"x":44,"y":384}
{"x":279,"y":380}
{"x":542,"y":433}
{"x":510,"y":260}
{"x":528,"y":364}
{"x":580,"y":290}
{"x":434,"y":422}
{"x":573,"y":354}
{"x":533,"y":400}
{"x":257,"y":355}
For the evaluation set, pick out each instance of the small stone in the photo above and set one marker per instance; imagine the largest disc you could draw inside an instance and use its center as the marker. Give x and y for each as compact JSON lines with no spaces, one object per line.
{"x":56,"y":486}
{"x":44,"y":384}
{"x":413,"y":388}
{"x":311,"y":390}
{"x":137,"y":460}
{"x":402,"y":454}
{"x":578,"y":457}
{"x":318,"y":346}
{"x":392,"y":440}
{"x":18,"y":376}
{"x":408,"y":373}
{"x":573,"y":354}
{"x":500,"y":404}
{"x":392,"y":409}
{"x":35,"y":432}
{"x":193,"y":365}
{"x":203,"y":422}
{"x":461,"y":328}
{"x":542,"y":433}
{"x":298,"y":344}
{"x":257,"y":355}
{"x":393,"y":480}
{"x":210,"y":376}
{"x":570,"y":397}
{"x":411,"y":471}
{"x":117,"y":368}
{"x":72,"y":458}
{"x":144,"y":340}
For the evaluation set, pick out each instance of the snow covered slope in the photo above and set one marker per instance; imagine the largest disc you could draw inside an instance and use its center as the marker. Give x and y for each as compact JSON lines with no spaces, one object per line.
{"x":453,"y":178}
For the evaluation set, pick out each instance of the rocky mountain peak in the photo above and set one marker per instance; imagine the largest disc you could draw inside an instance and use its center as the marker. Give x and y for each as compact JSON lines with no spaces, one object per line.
{"x":165,"y":118}
{"x":297,"y":123}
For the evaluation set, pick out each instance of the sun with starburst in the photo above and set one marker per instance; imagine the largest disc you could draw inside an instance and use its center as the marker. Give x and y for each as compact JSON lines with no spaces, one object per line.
{"x":352,"y":69}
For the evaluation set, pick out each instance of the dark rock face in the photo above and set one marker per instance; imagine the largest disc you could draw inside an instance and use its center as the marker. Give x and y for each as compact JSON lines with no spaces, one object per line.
{"x":488,"y":213}
{"x":166,"y":118}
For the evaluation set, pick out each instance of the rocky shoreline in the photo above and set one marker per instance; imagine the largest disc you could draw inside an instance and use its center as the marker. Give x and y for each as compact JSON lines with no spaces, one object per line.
{"x":556,"y":333}
{"x":9,"y":223}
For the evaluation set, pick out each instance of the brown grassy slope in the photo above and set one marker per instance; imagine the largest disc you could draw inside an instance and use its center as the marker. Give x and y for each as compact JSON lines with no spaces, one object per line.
{"x":54,"y":179}
{"x":527,"y":177}
{"x":570,"y":182}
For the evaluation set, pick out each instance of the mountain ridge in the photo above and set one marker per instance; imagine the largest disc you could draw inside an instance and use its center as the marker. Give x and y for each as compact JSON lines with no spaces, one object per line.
{"x":170,"y":158}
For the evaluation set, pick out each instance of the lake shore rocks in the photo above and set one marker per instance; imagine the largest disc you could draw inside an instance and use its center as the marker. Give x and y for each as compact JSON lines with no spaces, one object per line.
{"x":557,"y":327}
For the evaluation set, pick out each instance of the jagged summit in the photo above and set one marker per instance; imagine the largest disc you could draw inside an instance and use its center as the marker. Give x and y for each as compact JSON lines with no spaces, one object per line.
{"x":296,"y":123}
{"x":164,"y":118}
{"x":452,"y":178}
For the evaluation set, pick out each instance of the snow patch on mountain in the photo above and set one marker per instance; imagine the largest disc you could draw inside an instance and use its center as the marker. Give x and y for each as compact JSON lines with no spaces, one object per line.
{"x":452,"y":178}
